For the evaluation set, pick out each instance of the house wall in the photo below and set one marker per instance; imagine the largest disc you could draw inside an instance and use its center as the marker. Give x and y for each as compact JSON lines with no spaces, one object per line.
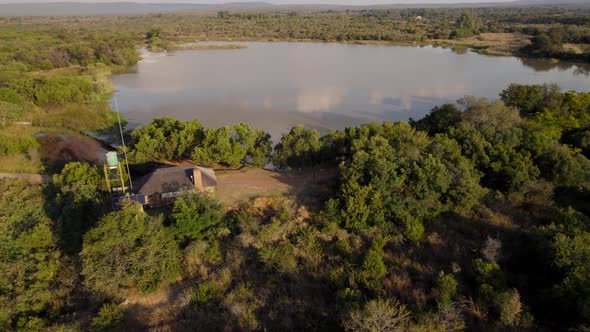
{"x":198,"y":179}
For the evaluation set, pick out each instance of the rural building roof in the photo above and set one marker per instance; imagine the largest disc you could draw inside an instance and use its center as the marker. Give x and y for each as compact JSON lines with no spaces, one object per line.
{"x":174,"y":179}
{"x":208,"y":176}
{"x":167,"y":180}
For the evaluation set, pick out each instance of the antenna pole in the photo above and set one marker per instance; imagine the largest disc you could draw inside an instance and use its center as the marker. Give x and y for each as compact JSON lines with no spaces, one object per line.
{"x":123,"y":142}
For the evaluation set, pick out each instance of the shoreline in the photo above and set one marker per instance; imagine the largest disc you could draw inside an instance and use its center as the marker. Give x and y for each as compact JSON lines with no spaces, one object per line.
{"x":483,"y":48}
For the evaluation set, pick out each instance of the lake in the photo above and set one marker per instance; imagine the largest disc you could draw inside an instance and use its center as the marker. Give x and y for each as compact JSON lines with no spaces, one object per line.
{"x":274,"y":86}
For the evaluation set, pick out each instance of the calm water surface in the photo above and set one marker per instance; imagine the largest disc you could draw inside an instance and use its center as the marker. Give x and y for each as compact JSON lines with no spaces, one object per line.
{"x":274,"y":86}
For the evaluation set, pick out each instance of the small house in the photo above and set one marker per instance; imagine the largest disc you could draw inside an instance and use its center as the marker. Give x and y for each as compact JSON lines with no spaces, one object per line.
{"x":162,"y":186}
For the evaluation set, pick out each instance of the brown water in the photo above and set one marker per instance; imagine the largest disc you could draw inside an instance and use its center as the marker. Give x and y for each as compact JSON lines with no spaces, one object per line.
{"x":274,"y":86}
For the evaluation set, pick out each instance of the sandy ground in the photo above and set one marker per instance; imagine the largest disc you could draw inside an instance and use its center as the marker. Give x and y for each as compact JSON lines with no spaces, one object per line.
{"x":238,"y":185}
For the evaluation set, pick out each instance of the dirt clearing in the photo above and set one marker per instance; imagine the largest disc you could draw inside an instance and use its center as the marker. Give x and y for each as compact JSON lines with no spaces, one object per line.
{"x":238,"y":185}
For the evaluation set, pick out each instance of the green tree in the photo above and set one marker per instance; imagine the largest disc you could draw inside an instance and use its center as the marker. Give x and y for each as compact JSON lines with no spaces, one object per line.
{"x":565,"y":167}
{"x":572,"y":258}
{"x":126,"y":249}
{"x":298,"y":148}
{"x":447,"y":286}
{"x":509,"y":307}
{"x":362,"y":207}
{"x":373,"y":269}
{"x":256,"y":142}
{"x":439,"y":120}
{"x":9,"y":113}
{"x":467,"y":25}
{"x":195,"y":215}
{"x":532,"y":99}
{"x":165,"y":139}
{"x":30,"y":262}
{"x":220,"y":146}
{"x":109,"y":318}
{"x":486,"y":116}
{"x":80,"y":201}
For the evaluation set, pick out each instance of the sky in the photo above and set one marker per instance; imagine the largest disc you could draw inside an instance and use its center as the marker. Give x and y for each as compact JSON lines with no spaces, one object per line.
{"x":282,"y":2}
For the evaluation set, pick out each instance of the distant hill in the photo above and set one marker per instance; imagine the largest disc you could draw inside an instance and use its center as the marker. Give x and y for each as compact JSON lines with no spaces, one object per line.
{"x":552,"y":2}
{"x":133,"y":8}
{"x":70,"y":9}
{"x":112,"y":8}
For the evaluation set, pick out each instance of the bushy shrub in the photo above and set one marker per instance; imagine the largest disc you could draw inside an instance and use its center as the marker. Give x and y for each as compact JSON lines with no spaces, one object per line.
{"x":377,"y":316}
{"x":509,"y":307}
{"x":298,"y":148}
{"x":195,"y":216}
{"x":128,"y":248}
{"x":109,"y":318}
{"x":373,"y":269}
{"x":447,"y":286}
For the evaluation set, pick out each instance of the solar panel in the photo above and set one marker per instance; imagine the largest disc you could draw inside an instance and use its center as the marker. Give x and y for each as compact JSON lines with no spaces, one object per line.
{"x":140,"y":198}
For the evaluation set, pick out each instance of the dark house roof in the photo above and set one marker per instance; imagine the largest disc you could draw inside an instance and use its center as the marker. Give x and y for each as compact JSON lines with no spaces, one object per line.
{"x":167,"y":180}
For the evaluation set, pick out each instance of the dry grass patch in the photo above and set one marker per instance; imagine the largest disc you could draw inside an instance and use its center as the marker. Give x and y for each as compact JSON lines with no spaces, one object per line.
{"x":21,"y":164}
{"x":576,"y":48}
{"x":490,"y":43}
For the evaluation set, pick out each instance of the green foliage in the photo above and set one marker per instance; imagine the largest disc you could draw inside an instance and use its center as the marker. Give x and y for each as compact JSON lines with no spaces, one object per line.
{"x":11,"y":96}
{"x":464,"y":190}
{"x":447,"y":286}
{"x":532,"y":99}
{"x":439,"y":120}
{"x":109,"y":318}
{"x":509,"y":307}
{"x":165,"y":139}
{"x":397,"y":174}
{"x":413,"y":229}
{"x":10,"y":112}
{"x":362,"y":207}
{"x":468,"y":24}
{"x":195,"y":216}
{"x":488,"y":273}
{"x":56,"y":89}
{"x":373,"y":269}
{"x":80,"y":201}
{"x":154,"y":40}
{"x":256,"y":142}
{"x":298,"y":148}
{"x":204,"y":293}
{"x":495,"y":154}
{"x":219,"y":145}
{"x":29,"y":257}
{"x":17,"y":145}
{"x":129,"y":249}
{"x":563,"y":166}
{"x":549,"y":42}
{"x":487,"y":116}
{"x":279,"y":258}
{"x":572,"y":258}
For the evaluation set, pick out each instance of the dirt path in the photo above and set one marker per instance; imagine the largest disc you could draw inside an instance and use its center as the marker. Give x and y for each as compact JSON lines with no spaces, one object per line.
{"x":31,"y":178}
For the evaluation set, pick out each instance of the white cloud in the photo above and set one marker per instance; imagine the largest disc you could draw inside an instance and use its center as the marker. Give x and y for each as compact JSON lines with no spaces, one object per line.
{"x":319,"y":100}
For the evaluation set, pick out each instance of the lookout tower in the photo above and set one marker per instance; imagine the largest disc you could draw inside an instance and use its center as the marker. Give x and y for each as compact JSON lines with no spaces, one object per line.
{"x":113,"y":173}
